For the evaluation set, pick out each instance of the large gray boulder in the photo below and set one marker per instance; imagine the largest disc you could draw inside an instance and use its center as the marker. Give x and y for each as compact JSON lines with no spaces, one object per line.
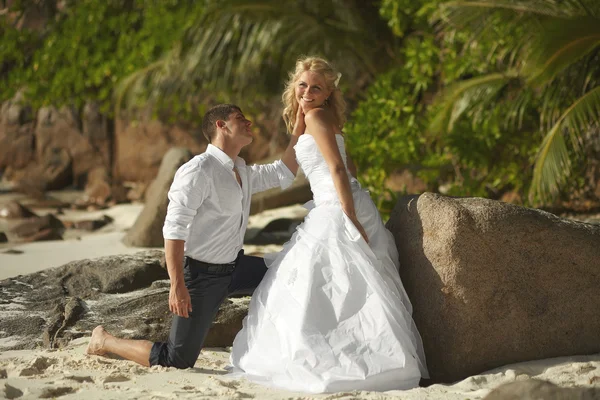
{"x":127,"y":294}
{"x":147,"y":229}
{"x":493,"y":283}
{"x":54,"y":306}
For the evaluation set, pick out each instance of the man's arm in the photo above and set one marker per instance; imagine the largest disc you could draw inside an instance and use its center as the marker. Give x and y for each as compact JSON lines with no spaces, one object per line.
{"x":180,"y":302}
{"x":282,"y":172}
{"x":185,"y":197}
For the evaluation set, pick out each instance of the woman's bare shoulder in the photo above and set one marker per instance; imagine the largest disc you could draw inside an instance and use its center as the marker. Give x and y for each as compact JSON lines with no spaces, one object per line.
{"x":317,"y":115}
{"x":320,"y":119}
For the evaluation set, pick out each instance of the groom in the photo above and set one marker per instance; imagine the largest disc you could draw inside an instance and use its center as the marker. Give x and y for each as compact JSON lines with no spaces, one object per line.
{"x":209,"y":205}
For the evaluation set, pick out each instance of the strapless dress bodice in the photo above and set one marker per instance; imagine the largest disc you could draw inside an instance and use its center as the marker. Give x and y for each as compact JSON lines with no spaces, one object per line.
{"x":317,"y":172}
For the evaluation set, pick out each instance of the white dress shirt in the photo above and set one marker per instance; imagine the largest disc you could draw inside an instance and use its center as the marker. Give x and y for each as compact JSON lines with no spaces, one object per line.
{"x":208,"y":208}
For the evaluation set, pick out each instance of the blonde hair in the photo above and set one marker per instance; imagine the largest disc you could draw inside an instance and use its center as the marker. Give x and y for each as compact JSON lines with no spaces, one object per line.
{"x":336,"y":100}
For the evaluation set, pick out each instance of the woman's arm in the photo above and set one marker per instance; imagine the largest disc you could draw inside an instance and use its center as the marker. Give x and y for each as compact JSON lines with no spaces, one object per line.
{"x":351,"y":166}
{"x":318,"y":124}
{"x":289,"y":157}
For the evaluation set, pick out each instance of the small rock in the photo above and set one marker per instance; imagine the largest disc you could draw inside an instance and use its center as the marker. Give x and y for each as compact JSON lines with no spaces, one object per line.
{"x":13,"y":251}
{"x":49,"y":393}
{"x":92,"y":225}
{"x":14,"y":210}
{"x":80,"y":379}
{"x":47,"y":227}
{"x":116,"y":377}
{"x":3,"y":374}
{"x":3,"y":237}
{"x":37,"y":367}
{"x":12,"y":392}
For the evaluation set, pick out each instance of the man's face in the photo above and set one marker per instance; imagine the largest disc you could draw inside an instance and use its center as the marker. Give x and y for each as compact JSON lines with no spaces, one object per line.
{"x":238,"y":128}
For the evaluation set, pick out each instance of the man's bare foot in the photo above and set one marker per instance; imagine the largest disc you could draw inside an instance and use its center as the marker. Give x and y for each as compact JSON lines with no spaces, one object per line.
{"x":96,"y":346}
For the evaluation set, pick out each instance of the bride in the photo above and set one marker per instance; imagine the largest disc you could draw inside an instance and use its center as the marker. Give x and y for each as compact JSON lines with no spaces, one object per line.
{"x":331,"y":314}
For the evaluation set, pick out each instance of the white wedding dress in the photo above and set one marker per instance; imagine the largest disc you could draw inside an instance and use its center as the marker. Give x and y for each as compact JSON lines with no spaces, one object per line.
{"x":331,"y":313}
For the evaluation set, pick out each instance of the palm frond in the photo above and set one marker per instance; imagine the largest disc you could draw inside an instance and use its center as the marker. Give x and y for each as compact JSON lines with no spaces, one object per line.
{"x":466,"y":95}
{"x":553,"y":165}
{"x":516,"y":24}
{"x":466,"y":12}
{"x":560,"y":44}
{"x":242,"y":44}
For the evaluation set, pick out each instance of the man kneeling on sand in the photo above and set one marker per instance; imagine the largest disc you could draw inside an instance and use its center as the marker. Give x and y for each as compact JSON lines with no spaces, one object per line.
{"x":209,"y":205}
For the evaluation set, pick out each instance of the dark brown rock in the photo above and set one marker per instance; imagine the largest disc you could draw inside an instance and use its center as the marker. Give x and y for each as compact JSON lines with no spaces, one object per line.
{"x":147,"y":230}
{"x":15,"y":210}
{"x":404,"y":181}
{"x":96,"y":129}
{"x":16,"y":134}
{"x":89,"y":225}
{"x":53,"y":172}
{"x":17,"y":144}
{"x":137,"y":192}
{"x":101,"y":190}
{"x":54,"y":392}
{"x":494,"y":283}
{"x":277,"y":231}
{"x":97,"y":189}
{"x":536,"y":390}
{"x":60,"y":130}
{"x":11,"y":392}
{"x":298,"y":192}
{"x":140,"y":147}
{"x":47,"y":227}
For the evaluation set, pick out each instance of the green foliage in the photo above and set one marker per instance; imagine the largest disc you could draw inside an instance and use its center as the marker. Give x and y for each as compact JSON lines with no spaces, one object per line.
{"x":16,"y":50}
{"x":554,"y":48}
{"x":249,"y":46}
{"x":386,"y":131}
{"x":90,"y":46}
{"x":480,"y":136}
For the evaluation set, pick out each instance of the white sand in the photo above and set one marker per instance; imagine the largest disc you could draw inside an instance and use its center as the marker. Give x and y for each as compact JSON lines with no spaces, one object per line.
{"x":102,"y":378}
{"x":106,"y":241}
{"x":77,"y":245}
{"x":70,"y":374}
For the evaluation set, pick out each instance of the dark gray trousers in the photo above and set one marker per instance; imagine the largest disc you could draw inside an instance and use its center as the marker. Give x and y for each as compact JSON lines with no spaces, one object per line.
{"x":207,"y":292}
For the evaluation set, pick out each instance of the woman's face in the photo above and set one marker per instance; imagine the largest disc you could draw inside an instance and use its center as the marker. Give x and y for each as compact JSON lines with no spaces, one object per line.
{"x":311,"y":90}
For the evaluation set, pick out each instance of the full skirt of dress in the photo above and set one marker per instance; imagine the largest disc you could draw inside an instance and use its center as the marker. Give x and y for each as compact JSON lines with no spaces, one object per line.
{"x":331,"y":313}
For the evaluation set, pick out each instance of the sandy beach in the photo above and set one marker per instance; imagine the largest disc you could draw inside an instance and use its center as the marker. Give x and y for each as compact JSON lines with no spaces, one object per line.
{"x":70,"y":374}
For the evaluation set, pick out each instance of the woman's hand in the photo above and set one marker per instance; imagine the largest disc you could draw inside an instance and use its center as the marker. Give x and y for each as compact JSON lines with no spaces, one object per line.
{"x":300,"y":124}
{"x":360,"y":228}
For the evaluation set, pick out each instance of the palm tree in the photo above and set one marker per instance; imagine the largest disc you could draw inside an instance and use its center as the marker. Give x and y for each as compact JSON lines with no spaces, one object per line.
{"x":551,"y":47}
{"x":248,"y":46}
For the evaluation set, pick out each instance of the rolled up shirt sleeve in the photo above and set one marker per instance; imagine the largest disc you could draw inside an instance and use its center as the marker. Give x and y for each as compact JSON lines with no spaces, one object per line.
{"x":185,"y":197}
{"x":268,"y":176}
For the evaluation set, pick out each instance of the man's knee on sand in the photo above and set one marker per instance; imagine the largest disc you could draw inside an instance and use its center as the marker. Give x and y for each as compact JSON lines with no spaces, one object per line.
{"x":165,"y":355}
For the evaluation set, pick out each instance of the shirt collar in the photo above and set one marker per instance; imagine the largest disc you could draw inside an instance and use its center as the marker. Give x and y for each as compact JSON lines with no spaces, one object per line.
{"x":220,"y":155}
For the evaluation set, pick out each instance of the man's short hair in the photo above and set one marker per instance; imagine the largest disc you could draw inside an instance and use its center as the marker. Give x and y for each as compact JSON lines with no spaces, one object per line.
{"x":216,"y":113}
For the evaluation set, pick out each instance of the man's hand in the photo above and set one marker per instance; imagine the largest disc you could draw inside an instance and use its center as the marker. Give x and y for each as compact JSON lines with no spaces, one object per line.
{"x":180,"y":302}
